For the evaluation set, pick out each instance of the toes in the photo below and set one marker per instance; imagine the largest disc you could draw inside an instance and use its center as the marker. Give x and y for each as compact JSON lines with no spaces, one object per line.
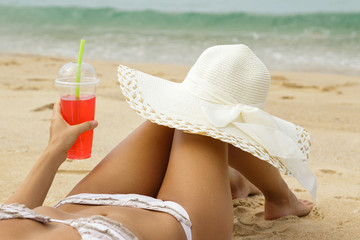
{"x":307,"y":203}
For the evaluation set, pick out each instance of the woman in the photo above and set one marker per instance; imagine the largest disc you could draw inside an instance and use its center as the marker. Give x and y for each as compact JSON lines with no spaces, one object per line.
{"x":142,"y":164}
{"x":188,"y":172}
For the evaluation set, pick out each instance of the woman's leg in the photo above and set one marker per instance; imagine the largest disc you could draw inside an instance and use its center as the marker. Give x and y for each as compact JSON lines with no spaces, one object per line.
{"x":279,"y":199}
{"x":197,"y":178}
{"x":136,"y":165}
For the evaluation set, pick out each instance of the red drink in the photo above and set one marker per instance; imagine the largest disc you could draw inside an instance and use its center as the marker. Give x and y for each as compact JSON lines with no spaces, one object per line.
{"x":75,"y":112}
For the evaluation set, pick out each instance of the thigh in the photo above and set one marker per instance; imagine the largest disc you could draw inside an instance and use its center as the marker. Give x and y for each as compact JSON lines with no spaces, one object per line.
{"x":136,"y":165}
{"x":197,"y":178}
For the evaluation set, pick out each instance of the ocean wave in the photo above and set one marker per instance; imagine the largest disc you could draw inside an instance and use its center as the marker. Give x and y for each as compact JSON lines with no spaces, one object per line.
{"x":110,"y":17}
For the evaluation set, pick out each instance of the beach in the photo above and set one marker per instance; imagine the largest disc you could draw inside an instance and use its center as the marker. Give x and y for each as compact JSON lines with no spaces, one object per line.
{"x":327,"y":105}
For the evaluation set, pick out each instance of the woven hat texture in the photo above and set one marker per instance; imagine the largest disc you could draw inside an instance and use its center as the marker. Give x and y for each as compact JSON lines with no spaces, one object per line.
{"x":222,"y":97}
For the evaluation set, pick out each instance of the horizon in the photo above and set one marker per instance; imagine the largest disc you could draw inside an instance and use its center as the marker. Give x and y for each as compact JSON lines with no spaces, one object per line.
{"x":213,"y":6}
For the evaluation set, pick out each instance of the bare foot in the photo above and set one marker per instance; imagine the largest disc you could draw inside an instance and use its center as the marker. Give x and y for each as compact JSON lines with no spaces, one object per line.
{"x":280,"y":207}
{"x":240,"y":186}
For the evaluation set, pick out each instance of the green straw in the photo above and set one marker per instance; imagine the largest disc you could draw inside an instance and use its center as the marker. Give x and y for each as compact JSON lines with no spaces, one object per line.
{"x":78,"y":69}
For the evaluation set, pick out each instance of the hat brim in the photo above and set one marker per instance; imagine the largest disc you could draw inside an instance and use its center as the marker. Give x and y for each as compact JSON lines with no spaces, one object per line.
{"x":169,"y":104}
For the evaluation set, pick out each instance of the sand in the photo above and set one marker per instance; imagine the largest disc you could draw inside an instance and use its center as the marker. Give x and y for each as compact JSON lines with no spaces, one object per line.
{"x":328,"y":106}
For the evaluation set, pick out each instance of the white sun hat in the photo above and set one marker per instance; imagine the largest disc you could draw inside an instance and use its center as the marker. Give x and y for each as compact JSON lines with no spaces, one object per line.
{"x":222,"y":97}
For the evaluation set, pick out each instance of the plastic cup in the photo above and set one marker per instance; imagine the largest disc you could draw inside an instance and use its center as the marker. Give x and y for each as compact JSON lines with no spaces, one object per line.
{"x":80,"y":108}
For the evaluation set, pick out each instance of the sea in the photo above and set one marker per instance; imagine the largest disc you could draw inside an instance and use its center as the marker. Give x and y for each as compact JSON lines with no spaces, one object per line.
{"x":307,"y":35}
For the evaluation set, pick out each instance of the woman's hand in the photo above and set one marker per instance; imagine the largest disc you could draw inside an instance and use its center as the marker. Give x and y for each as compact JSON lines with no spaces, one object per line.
{"x":35,"y":187}
{"x":63,"y":135}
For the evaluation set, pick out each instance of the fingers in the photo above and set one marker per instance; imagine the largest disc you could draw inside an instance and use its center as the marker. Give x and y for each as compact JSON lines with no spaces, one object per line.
{"x":57,"y":120}
{"x":86,"y":126}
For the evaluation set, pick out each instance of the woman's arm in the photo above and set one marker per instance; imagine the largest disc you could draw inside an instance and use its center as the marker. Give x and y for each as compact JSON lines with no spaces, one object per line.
{"x":33,"y":190}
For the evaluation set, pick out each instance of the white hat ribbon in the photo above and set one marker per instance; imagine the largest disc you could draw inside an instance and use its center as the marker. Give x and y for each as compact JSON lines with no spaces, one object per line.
{"x":255,"y":123}
{"x":263,"y":130}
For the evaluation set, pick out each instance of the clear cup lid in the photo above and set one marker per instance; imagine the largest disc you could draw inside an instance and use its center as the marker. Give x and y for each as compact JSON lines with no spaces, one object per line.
{"x":67,"y":74}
